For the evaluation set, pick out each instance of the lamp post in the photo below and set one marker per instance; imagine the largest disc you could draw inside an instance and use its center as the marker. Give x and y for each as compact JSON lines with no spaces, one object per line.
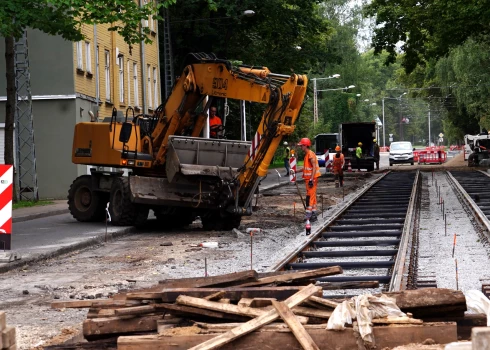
{"x":315,"y":97}
{"x":400,"y":107}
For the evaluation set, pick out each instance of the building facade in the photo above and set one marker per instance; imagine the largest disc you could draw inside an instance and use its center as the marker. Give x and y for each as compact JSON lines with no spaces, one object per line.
{"x":68,"y":80}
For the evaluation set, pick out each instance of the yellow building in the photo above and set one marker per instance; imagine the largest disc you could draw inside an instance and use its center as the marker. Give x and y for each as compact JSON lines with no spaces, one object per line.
{"x":110,"y":73}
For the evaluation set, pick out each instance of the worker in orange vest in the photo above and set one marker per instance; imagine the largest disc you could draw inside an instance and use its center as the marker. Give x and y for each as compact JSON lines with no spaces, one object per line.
{"x":311,"y":173}
{"x":338,"y":167}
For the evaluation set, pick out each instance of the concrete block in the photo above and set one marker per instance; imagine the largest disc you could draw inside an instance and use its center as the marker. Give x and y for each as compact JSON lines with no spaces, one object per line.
{"x":480,"y":337}
{"x":8,"y":337}
{"x":3,"y":321}
{"x":465,"y":345}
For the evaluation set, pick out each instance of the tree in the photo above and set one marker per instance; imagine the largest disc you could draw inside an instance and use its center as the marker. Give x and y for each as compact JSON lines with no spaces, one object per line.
{"x":427,"y":28}
{"x":65,"y":18}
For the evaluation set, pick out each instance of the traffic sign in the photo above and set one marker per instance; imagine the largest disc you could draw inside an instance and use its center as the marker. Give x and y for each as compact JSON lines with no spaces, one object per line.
{"x":441,"y":135}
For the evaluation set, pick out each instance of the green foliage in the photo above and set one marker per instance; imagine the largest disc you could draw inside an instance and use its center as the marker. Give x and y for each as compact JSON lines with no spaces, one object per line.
{"x":65,"y":17}
{"x":28,"y":204}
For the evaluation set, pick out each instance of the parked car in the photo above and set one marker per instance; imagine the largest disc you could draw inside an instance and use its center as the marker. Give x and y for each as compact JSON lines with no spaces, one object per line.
{"x":401,"y":153}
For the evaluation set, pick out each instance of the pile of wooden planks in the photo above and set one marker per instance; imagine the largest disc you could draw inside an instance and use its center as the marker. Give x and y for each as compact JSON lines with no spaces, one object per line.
{"x":236,"y":310}
{"x":7,"y":339}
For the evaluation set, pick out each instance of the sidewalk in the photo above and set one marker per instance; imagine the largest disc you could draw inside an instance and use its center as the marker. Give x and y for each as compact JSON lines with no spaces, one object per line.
{"x":40,"y":211}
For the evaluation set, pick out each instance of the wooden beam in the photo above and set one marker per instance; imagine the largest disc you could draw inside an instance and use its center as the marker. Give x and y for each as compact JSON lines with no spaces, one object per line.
{"x":348,"y":285}
{"x":256,"y":323}
{"x":294,"y":276}
{"x":298,"y":330}
{"x":386,"y":337}
{"x":310,"y":312}
{"x":232,"y":293}
{"x":225,"y":308}
{"x":197,"y":312}
{"x":135,"y":310}
{"x":324,"y":302}
{"x":215,"y":296}
{"x":80,"y":304}
{"x":226,"y":280}
{"x":396,"y":320}
{"x":117,"y":325}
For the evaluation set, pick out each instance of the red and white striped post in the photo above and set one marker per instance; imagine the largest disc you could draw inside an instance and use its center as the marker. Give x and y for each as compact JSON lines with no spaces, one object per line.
{"x":6,"y":192}
{"x":292,"y":169}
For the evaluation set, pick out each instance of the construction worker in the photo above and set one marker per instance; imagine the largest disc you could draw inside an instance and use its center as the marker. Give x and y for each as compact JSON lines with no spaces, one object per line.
{"x":338,"y":167}
{"x":215,"y":124}
{"x":376,"y":153}
{"x":359,"y":155}
{"x":311,"y":173}
{"x":287,"y":155}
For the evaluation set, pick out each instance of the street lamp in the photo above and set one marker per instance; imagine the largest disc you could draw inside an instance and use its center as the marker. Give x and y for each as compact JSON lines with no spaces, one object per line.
{"x":400,"y":107}
{"x":315,"y":97}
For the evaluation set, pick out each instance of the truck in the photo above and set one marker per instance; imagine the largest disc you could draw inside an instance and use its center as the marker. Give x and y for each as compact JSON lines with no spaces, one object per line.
{"x":350,"y":135}
{"x":171,"y":168}
{"x":476,"y":149}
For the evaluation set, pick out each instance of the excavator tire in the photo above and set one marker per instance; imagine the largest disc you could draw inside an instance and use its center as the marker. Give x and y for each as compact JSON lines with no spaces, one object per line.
{"x":216,"y":222}
{"x":123,"y":211}
{"x":85,"y":204}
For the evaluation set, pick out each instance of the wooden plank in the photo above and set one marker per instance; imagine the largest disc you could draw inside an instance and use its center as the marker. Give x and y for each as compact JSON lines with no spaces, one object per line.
{"x":427,"y":302}
{"x":226,"y":280}
{"x":225,"y":308}
{"x":80,"y":304}
{"x":224,"y":301}
{"x":3,"y":320}
{"x":135,"y":310}
{"x":310,"y":312}
{"x":325,"y":271}
{"x":256,"y":323}
{"x":298,"y":330}
{"x":348,"y":285}
{"x":324,"y":302}
{"x":232,"y":293}
{"x":215,"y":296}
{"x":386,"y":337}
{"x":245,"y":302}
{"x":117,"y":325}
{"x":396,"y":320}
{"x":261,"y":302}
{"x":8,"y":336}
{"x":197,"y":312}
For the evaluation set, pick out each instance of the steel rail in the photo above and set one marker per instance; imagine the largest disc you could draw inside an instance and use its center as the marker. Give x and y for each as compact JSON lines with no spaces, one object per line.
{"x":292,"y":257}
{"x":398,"y":279}
{"x":477,"y":212}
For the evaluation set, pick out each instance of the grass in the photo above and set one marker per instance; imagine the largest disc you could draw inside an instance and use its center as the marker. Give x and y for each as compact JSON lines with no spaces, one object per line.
{"x":27,"y":204}
{"x":280,"y":164}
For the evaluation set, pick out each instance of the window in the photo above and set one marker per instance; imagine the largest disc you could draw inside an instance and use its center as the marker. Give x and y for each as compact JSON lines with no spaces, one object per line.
{"x":135,"y":84}
{"x":121,"y":78}
{"x":150,"y":105}
{"x":79,"y":55}
{"x":97,"y":90}
{"x":155,"y":88}
{"x":107,"y":76}
{"x":129,"y":82}
{"x":88,"y":57}
{"x":145,"y":22}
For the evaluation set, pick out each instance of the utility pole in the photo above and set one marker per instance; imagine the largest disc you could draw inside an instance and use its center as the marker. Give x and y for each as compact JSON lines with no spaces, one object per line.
{"x":315,"y":103}
{"x":26,"y":175}
{"x":168,"y":64}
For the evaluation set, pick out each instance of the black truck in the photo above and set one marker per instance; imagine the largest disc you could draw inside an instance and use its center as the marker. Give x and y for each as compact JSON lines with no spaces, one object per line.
{"x":353,"y":133}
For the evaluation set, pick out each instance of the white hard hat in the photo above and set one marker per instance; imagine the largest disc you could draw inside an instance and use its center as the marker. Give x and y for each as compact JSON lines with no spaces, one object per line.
{"x":285,"y":143}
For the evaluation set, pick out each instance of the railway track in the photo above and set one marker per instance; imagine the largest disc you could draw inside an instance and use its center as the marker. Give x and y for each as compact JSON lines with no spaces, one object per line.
{"x":369,"y":239}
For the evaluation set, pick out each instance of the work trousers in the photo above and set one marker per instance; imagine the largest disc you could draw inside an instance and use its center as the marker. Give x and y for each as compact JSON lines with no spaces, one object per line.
{"x":311,"y":196}
{"x":358,"y":162}
{"x":286,"y":165}
{"x":339,"y":176}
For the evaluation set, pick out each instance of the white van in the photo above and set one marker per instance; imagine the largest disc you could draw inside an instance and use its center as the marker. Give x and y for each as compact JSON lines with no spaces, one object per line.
{"x":401,"y":152}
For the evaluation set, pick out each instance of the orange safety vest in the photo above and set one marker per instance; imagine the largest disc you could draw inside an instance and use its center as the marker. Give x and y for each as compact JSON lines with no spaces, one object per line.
{"x":337,"y":162}
{"x":308,"y":166}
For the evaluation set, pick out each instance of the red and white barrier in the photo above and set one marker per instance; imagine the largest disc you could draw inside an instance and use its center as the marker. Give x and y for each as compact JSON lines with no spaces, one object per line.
{"x":292,"y":169}
{"x":6,"y":191}
{"x":253,"y":147}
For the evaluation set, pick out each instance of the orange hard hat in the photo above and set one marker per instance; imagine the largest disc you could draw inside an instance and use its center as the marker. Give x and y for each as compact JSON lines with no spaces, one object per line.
{"x":305,"y":142}
{"x":337,"y":148}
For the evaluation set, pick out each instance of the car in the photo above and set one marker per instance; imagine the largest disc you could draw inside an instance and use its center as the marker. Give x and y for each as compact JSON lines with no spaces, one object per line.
{"x":321,"y":159}
{"x":401,"y":152}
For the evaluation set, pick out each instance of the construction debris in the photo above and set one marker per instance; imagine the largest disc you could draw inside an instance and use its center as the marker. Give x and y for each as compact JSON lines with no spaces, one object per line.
{"x":241,"y":310}
{"x":7,"y":334}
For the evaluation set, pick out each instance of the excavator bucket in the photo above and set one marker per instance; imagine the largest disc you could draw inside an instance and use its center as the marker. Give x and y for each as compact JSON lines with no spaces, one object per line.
{"x":191,"y":156}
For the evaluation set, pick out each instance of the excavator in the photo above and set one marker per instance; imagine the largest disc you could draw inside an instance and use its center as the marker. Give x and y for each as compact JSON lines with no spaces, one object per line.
{"x":171,"y":169}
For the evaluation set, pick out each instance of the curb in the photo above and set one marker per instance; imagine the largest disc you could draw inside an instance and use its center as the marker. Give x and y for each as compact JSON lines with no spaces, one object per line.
{"x":39,"y":215}
{"x":98,"y":239}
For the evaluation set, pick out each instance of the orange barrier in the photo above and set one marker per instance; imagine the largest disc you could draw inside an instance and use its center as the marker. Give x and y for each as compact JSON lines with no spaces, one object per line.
{"x":431,"y":157}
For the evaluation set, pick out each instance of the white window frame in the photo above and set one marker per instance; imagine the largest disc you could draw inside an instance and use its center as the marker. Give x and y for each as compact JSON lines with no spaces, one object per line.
{"x":88,"y":57}
{"x":128,"y":66}
{"x":80,"y":55}
{"x":97,"y":72}
{"x":150,"y":99}
{"x":121,"y":78}
{"x":145,"y":21}
{"x":107,"y":56}
{"x":155,"y":88}
{"x":135,"y":84}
